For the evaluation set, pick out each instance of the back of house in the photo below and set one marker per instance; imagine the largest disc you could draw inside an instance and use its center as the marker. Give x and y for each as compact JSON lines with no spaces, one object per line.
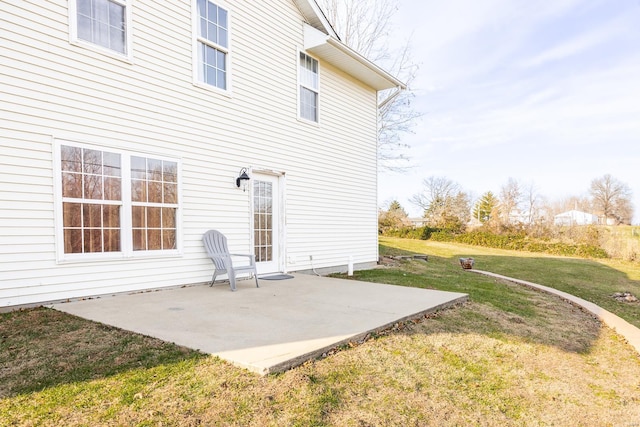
{"x":125,"y":125}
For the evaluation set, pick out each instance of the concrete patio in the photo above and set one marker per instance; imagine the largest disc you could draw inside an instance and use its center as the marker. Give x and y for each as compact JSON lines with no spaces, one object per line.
{"x":269,"y":329}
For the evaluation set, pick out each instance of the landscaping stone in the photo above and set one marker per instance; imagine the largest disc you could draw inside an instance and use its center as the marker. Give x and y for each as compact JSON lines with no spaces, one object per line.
{"x":467,"y":263}
{"x":625,"y":297}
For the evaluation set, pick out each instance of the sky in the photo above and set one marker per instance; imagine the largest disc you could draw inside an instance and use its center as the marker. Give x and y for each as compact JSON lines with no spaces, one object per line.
{"x":546,"y":92}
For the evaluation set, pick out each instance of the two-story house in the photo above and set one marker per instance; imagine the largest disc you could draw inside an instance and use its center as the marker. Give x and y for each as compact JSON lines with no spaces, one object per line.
{"x":125,"y":124}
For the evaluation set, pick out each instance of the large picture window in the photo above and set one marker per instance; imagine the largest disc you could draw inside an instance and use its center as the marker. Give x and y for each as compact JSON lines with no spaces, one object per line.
{"x":309,"y":87}
{"x":102,"y":23}
{"x":212,"y":44}
{"x":117,"y":202}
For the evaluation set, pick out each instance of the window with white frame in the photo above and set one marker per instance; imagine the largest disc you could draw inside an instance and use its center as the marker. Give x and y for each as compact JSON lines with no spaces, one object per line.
{"x":154,"y":202}
{"x":117,"y":202}
{"x":103,"y":23}
{"x":91,"y":200}
{"x":212,"y":44}
{"x":309,"y":87}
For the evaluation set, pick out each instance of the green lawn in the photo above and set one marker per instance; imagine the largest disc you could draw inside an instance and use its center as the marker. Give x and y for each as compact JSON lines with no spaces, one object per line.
{"x":511,"y":356}
{"x":592,"y":280}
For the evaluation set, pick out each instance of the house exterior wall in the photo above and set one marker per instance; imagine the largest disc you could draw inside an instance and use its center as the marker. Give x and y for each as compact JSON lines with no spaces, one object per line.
{"x":54,"y":91}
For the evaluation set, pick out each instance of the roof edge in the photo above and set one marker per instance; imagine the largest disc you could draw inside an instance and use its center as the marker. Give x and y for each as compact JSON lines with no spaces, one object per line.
{"x":367,"y":63}
{"x":316,"y":17}
{"x":348,"y":60}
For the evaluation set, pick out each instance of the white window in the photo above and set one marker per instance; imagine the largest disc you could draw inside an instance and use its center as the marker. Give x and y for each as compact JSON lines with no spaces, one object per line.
{"x":212,"y":44}
{"x":309,"y":87}
{"x":116,"y":202}
{"x":101,"y":22}
{"x":154,"y":203}
{"x":91,"y":182}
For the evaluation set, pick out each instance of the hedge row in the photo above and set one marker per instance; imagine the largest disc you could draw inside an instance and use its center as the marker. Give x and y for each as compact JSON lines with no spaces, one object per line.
{"x":518,"y":242}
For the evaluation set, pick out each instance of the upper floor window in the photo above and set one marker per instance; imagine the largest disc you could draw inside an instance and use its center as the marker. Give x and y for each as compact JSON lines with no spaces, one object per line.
{"x":309,"y":87}
{"x":116,"y":202}
{"x":103,"y":23}
{"x":212,"y":44}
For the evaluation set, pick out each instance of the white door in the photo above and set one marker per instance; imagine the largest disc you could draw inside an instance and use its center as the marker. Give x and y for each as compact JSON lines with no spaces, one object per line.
{"x":266,"y":220}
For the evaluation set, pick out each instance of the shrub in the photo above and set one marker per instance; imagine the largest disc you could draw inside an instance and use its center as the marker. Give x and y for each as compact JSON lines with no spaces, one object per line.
{"x":518,"y":241}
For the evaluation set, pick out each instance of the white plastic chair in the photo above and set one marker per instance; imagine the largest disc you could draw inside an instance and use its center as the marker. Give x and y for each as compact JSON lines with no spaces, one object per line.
{"x":216,"y":245}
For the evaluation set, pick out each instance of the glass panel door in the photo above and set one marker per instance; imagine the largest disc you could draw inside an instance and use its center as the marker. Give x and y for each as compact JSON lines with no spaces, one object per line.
{"x":265,"y":223}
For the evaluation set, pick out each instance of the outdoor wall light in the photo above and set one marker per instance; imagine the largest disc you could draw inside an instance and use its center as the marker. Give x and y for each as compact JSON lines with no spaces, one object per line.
{"x":242,"y":179}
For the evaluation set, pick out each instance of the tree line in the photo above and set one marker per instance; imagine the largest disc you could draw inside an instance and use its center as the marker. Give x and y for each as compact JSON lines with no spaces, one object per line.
{"x":446,"y":205}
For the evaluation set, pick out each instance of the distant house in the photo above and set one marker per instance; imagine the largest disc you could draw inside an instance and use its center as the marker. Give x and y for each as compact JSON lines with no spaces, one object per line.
{"x":517,"y":216}
{"x":129,"y":128}
{"x":575,"y":217}
{"x":418,"y":222}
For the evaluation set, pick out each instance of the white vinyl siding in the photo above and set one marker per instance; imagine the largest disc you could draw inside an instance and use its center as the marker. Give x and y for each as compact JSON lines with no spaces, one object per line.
{"x":53,"y":91}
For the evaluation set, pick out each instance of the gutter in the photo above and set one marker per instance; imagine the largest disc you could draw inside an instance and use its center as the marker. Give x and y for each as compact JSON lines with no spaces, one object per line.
{"x":337,"y":44}
{"x":392,"y":96}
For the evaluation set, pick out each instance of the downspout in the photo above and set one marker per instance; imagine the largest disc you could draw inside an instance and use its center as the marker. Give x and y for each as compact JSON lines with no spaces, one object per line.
{"x":391,"y":97}
{"x":387,"y":100}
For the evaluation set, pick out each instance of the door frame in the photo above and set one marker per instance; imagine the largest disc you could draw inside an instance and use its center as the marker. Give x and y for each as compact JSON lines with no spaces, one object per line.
{"x":279,"y":202}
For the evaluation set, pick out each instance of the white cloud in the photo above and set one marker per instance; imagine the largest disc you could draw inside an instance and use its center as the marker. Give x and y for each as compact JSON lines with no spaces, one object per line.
{"x":544,"y":91}
{"x":578,"y":44}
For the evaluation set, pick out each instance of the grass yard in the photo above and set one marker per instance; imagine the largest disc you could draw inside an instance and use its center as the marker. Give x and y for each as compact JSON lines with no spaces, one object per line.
{"x":592,"y":280}
{"x":509,"y":357}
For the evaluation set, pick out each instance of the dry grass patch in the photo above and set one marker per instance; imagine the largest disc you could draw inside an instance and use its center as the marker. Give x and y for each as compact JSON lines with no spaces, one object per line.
{"x":471,"y":365}
{"x":509,"y":357}
{"x":42,"y":348}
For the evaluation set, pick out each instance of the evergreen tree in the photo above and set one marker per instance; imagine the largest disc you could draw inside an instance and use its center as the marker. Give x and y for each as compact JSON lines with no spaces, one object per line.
{"x":396,"y":207}
{"x":485,"y":207}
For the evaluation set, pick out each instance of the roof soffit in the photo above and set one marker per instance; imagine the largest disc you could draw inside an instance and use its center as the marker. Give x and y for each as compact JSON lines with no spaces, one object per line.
{"x":315,"y":17}
{"x":348,"y":60}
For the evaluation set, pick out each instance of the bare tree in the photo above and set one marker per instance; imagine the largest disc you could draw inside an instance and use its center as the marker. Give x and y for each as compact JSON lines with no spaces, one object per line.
{"x":436,"y":188}
{"x":510,"y":197}
{"x":530,"y":203}
{"x":365,"y":26}
{"x":393,"y":218}
{"x":611,"y":199}
{"x":443,"y":202}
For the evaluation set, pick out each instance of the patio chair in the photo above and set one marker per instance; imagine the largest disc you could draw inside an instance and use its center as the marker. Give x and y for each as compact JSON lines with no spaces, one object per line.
{"x":216,"y":245}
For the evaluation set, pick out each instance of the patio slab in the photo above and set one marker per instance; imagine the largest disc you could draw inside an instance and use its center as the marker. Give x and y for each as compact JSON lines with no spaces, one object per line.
{"x":269,"y":329}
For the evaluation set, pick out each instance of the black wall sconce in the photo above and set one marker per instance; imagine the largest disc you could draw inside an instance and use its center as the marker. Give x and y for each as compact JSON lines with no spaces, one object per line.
{"x":242,"y":179}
